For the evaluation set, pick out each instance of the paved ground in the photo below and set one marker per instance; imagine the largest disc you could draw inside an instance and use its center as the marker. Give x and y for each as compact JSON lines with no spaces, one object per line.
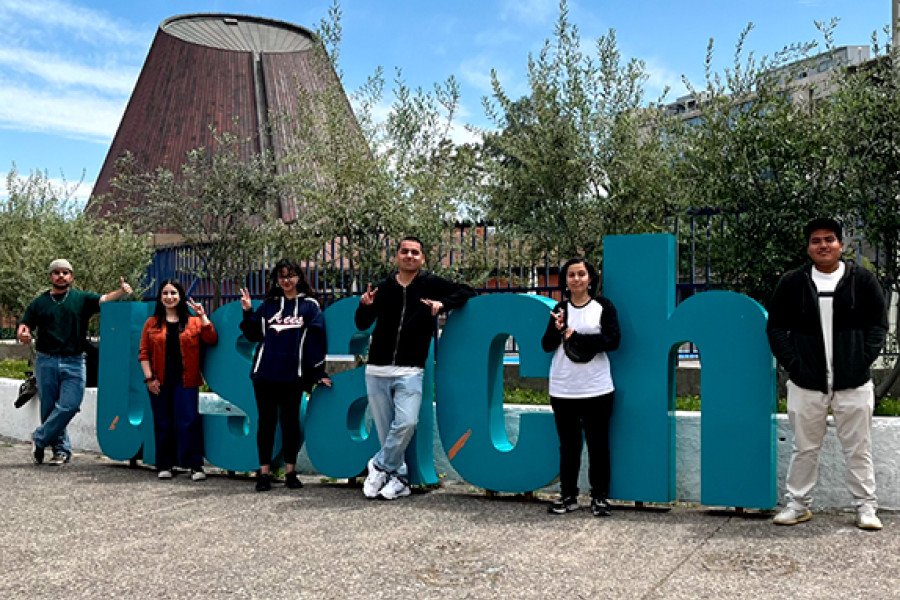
{"x":99,"y":529}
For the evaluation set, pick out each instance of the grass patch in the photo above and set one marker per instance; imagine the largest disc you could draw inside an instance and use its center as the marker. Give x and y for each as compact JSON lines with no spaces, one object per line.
{"x":525,"y":396}
{"x":889,"y":407}
{"x":14,"y":369}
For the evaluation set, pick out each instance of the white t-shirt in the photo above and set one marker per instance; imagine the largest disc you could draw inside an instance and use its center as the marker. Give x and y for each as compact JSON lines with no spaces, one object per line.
{"x":581,"y":380}
{"x":392,"y":371}
{"x":825,"y":284}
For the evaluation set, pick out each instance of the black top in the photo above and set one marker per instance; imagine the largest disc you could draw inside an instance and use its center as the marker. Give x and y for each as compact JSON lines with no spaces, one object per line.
{"x":174,"y":368}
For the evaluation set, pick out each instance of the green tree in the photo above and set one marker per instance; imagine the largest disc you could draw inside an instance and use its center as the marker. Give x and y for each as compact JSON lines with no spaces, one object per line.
{"x":580,"y":156}
{"x":221,"y":205}
{"x":364,"y":182}
{"x":867,"y":154}
{"x":762,"y":154}
{"x":39,"y":221}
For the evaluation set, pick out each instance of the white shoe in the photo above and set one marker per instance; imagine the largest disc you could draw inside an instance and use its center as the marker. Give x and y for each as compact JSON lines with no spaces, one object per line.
{"x":198,"y":475}
{"x":393,"y":489}
{"x":375,"y":480}
{"x":791,"y":516}
{"x":866,"y":518}
{"x":165,"y":475}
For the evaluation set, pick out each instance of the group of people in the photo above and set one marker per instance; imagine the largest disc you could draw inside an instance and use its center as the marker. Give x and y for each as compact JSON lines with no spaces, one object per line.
{"x":827,"y":324}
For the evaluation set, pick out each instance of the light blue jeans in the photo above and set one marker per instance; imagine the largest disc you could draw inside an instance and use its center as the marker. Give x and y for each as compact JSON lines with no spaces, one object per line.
{"x":60,"y":384}
{"x":394,"y":404}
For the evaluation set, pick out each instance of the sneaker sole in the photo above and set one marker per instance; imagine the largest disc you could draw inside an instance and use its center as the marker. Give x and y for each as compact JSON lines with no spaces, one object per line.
{"x":400,"y":495}
{"x":802,"y":519}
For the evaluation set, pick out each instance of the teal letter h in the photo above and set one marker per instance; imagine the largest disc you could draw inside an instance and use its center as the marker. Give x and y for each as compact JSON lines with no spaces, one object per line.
{"x":737,"y":442}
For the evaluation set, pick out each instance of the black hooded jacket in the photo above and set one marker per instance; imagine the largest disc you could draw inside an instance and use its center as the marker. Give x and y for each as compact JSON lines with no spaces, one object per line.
{"x":795,"y":329}
{"x":403,"y":324}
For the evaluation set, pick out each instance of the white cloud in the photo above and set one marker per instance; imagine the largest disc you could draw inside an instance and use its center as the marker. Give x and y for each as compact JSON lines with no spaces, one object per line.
{"x":77,"y":192}
{"x":530,"y":11}
{"x":87,"y":24}
{"x":60,"y":71}
{"x":74,"y":114}
{"x":476,"y":72}
{"x":661,"y":77}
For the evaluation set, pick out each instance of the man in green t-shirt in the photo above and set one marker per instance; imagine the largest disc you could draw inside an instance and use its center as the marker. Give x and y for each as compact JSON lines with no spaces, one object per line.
{"x":60,"y":317}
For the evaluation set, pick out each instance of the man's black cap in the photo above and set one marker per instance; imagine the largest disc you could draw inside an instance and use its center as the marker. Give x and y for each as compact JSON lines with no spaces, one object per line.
{"x":823,"y":223}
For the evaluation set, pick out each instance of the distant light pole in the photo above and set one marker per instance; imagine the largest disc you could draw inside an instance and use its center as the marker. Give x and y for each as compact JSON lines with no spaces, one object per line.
{"x":895,"y":14}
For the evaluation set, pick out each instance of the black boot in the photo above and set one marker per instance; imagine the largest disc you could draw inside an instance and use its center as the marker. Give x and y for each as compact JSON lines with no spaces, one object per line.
{"x":263,"y":482}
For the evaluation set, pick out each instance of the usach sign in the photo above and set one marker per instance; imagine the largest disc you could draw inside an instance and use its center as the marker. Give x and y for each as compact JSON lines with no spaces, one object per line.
{"x":465,"y":385}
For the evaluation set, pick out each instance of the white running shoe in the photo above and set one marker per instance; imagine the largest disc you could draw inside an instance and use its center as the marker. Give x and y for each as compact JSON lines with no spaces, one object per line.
{"x":166,"y":474}
{"x":375,"y":480}
{"x":791,"y":516}
{"x":393,"y":489}
{"x":866,"y":518}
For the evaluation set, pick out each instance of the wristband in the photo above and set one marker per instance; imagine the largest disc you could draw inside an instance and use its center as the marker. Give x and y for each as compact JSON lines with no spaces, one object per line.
{"x":149,"y":379}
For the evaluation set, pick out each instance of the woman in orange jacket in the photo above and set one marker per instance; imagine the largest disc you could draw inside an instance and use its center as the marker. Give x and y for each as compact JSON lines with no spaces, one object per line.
{"x":170,"y":359}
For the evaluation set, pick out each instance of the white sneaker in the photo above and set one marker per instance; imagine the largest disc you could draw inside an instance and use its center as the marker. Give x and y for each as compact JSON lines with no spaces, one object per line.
{"x":165,"y":475}
{"x":198,"y":475}
{"x":375,"y":480}
{"x":791,"y":516}
{"x":393,"y":489}
{"x":866,"y":518}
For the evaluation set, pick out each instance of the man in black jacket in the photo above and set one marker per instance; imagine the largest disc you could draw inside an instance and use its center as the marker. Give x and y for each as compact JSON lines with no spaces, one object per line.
{"x":827,"y":324}
{"x":404,"y":308}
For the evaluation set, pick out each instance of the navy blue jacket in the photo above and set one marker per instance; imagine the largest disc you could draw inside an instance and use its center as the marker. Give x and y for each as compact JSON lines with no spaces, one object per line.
{"x":292,"y":340}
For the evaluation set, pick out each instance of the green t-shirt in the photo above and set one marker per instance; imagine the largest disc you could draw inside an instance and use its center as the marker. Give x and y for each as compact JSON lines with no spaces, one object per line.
{"x":60,"y":322}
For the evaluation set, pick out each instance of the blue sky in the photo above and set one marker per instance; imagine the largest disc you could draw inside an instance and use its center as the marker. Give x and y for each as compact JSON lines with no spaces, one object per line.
{"x":67,"y":67}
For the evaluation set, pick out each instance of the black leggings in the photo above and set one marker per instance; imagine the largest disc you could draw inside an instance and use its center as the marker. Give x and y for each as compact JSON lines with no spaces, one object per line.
{"x":590,"y":415}
{"x":272,"y":398}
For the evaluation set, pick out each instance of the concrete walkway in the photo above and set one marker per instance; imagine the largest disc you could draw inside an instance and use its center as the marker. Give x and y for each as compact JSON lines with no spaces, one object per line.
{"x":99,"y":529}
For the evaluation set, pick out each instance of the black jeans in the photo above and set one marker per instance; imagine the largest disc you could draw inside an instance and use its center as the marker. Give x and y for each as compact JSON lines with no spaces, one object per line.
{"x":590,"y":416}
{"x":272,"y":398}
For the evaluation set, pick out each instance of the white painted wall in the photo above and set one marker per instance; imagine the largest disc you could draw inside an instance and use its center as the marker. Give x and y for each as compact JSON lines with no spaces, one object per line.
{"x":830,"y":493}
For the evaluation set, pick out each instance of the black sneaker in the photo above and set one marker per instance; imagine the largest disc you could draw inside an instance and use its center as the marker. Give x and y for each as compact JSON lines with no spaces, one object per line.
{"x":600,"y":507}
{"x":561,"y":507}
{"x":263,"y":482}
{"x":291,"y":481}
{"x":37,"y":453}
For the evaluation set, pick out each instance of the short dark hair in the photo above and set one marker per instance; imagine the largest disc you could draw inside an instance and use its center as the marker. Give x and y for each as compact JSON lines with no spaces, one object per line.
{"x":593,"y":286}
{"x":823,"y":223}
{"x":411,"y":238}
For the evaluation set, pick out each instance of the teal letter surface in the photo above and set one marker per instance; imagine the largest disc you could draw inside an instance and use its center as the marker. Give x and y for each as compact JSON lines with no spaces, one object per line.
{"x":230,"y":441}
{"x":737,"y":386}
{"x":470,"y":393}
{"x":124,"y":416}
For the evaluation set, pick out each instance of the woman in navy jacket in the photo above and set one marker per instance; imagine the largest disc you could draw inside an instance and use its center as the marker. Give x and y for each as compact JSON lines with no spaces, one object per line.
{"x":289,"y":360}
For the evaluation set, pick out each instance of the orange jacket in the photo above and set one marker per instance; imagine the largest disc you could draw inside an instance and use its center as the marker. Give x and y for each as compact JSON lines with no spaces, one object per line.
{"x":153,"y":348}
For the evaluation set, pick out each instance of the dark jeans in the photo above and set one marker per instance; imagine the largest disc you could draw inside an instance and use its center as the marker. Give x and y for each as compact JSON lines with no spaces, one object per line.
{"x":272,"y":398}
{"x":590,"y":416}
{"x":178,"y":427}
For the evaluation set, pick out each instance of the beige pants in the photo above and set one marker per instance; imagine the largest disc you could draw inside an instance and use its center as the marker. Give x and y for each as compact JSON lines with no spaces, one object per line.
{"x":808,"y":411}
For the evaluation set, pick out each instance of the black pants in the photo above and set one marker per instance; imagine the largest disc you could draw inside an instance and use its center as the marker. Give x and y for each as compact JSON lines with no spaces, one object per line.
{"x":590,"y":416}
{"x":272,"y":398}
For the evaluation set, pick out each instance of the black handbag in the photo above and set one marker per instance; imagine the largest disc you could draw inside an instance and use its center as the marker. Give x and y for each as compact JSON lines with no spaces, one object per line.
{"x":574,"y":346}
{"x":27,"y":390}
